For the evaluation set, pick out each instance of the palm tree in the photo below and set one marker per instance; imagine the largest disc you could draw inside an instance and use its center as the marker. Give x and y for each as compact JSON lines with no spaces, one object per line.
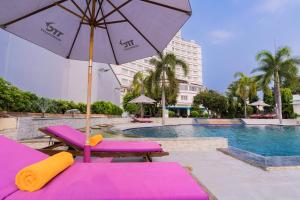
{"x":137,"y":85}
{"x":276,"y":68}
{"x":245,"y":88}
{"x":165,"y":69}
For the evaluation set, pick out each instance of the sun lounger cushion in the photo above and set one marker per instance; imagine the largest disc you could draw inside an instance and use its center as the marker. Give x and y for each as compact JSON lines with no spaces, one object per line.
{"x":94,"y":140}
{"x":68,"y":134}
{"x":127,"y":146}
{"x":13,"y":158}
{"x":35,"y":176}
{"x":77,"y":138}
{"x":127,"y":181}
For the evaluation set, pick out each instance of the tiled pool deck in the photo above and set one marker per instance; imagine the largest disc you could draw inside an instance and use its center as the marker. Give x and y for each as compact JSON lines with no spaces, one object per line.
{"x":226,"y":177}
{"x":231,"y":179}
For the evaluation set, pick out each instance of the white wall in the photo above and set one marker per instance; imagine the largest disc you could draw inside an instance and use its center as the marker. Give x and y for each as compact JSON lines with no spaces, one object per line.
{"x":35,"y":69}
{"x":296,"y":103}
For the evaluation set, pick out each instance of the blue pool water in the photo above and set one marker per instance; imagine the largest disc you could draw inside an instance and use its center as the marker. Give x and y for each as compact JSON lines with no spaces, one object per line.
{"x":263,"y":140}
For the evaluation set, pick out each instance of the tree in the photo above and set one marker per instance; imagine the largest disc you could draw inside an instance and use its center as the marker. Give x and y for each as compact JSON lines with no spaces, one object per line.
{"x":276,"y":68}
{"x":293,"y":84}
{"x":268,"y":97}
{"x":130,"y":107}
{"x":165,"y":70}
{"x":137,"y":86}
{"x":245,"y":88}
{"x":287,"y":107}
{"x":211,"y":101}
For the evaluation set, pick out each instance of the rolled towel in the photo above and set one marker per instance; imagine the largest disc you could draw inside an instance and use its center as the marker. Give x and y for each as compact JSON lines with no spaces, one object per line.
{"x":94,"y":140}
{"x":35,"y":176}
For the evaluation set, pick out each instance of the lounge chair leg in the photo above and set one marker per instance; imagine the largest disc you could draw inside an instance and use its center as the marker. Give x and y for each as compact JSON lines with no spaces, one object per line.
{"x":148,"y":158}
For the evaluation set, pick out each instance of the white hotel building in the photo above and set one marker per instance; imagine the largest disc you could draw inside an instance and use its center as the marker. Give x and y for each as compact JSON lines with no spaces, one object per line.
{"x":190,"y":85}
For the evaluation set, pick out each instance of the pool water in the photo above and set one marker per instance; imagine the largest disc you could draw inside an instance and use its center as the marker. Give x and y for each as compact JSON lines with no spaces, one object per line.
{"x":263,"y":140}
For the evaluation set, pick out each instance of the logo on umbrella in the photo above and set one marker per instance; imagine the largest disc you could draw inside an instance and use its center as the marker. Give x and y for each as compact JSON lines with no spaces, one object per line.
{"x":52,"y":31}
{"x":128,"y":44}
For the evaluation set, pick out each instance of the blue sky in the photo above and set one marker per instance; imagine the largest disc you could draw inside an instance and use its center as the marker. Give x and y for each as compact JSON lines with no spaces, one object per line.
{"x":231,"y":32}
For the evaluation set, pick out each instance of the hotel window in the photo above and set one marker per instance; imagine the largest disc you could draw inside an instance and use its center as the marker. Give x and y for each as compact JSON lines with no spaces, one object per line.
{"x":184,"y":97}
{"x":193,"y":88}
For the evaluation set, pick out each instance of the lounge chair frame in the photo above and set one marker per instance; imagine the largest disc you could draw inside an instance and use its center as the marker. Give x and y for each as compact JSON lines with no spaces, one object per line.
{"x":76,"y":151}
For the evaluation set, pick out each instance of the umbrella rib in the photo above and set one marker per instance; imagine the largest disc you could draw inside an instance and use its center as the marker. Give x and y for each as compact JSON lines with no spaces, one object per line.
{"x":98,"y":11}
{"x":77,"y":32}
{"x":167,"y":6}
{"x":70,"y":11}
{"x":136,"y":29}
{"x":113,"y":22}
{"x":88,"y":7}
{"x":108,"y":35}
{"x":78,"y":7}
{"x":111,"y":12}
{"x":32,"y":13}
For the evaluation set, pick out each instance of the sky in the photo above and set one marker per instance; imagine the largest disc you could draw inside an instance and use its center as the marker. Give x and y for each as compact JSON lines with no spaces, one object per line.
{"x":231,"y":32}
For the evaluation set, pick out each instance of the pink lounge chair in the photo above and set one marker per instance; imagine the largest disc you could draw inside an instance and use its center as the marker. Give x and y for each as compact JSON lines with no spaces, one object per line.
{"x":141,"y":120}
{"x":256,"y":116}
{"x":93,"y":181}
{"x":269,"y":116}
{"x":107,"y":148}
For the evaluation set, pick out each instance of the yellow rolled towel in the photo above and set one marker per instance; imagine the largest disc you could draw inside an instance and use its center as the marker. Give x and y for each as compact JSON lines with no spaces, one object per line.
{"x":94,"y":140}
{"x":35,"y":176}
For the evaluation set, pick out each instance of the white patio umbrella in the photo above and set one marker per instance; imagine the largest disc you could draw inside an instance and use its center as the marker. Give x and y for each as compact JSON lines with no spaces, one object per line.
{"x":142,"y":99}
{"x":107,"y":31}
{"x":259,"y":104}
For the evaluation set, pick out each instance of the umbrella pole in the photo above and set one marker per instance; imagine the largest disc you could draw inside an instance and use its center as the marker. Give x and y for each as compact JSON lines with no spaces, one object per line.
{"x":142,"y":111}
{"x":87,"y":147}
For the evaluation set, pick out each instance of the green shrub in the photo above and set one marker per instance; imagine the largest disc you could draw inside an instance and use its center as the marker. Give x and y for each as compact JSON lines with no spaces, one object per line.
{"x":108,"y":108}
{"x":195,"y":114}
{"x":171,"y":113}
{"x":129,"y":107}
{"x":205,"y":115}
{"x":287,"y":106}
{"x":81,"y":107}
{"x":16,"y":100}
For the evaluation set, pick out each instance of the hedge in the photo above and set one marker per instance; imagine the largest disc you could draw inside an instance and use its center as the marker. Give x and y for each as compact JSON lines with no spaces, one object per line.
{"x":13,"y":99}
{"x":195,"y":114}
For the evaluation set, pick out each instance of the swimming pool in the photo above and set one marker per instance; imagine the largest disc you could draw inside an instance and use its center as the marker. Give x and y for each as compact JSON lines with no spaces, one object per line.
{"x":263,"y":140}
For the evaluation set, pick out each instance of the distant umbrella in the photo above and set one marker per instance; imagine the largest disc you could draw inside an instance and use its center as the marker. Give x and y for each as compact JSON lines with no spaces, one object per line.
{"x":259,"y":103}
{"x":143,"y":100}
{"x":106,"y":31}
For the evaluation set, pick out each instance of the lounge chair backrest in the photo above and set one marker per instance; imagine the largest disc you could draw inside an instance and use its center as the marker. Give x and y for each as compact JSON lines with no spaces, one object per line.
{"x":68,"y":134}
{"x":14,"y":157}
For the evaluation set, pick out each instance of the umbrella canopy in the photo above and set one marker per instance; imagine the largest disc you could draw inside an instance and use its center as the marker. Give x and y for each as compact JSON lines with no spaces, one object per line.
{"x":107,"y":31}
{"x":124,"y":30}
{"x":143,"y":100}
{"x":259,"y":103}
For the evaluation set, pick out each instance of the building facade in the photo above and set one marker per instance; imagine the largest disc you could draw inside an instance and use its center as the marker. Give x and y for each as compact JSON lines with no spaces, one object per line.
{"x":296,"y":104}
{"x":190,"y":52}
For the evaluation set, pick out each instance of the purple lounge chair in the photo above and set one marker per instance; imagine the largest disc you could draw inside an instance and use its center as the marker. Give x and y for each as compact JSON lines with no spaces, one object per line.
{"x":93,"y":181}
{"x":107,"y":148}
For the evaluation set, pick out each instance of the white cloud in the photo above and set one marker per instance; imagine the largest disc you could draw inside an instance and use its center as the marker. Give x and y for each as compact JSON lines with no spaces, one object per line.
{"x":220,"y":36}
{"x":276,"y":6}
